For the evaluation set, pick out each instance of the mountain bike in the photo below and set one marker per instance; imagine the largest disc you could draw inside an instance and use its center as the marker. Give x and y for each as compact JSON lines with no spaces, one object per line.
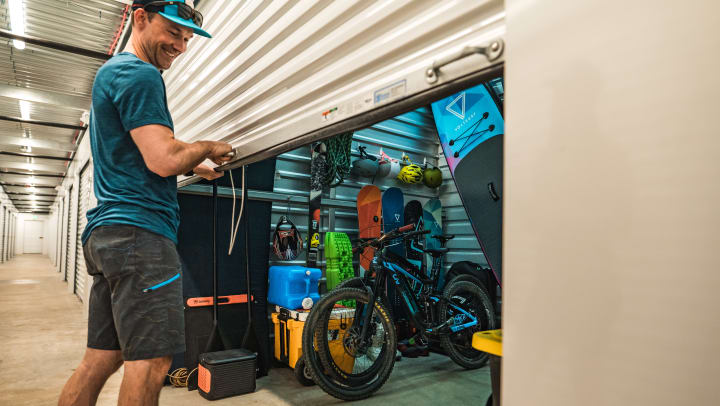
{"x":349,"y":338}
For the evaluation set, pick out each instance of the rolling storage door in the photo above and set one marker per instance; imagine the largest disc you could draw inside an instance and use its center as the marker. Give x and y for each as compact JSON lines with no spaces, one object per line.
{"x":6,"y":235}
{"x":280,"y":74}
{"x":2,"y":240}
{"x":68,"y":233}
{"x":58,"y":234}
{"x":82,"y":208}
{"x":13,"y":222}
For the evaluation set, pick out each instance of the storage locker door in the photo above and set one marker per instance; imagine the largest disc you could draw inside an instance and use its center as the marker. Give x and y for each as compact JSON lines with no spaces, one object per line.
{"x":6,"y":235}
{"x":2,"y":240}
{"x":82,"y":208}
{"x":58,"y":241}
{"x":68,"y":233}
{"x":285,"y":73}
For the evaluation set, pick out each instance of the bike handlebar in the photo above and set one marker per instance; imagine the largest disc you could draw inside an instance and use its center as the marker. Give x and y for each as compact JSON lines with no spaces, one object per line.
{"x":400,"y":232}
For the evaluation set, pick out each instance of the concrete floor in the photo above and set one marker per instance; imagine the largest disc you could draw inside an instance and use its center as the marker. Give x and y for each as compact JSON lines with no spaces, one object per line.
{"x":43,"y":332}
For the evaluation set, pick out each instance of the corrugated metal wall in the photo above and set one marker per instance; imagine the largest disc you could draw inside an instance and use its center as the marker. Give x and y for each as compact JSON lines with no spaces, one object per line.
{"x":412,"y":133}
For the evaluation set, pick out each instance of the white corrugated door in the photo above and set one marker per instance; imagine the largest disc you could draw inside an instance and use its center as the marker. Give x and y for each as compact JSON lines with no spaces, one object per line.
{"x":68,"y":233}
{"x":278,"y":74}
{"x":2,"y":240}
{"x":82,"y":208}
{"x":6,"y":233}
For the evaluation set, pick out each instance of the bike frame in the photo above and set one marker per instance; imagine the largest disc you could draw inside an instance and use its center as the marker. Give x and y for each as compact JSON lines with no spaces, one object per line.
{"x":391,"y":271}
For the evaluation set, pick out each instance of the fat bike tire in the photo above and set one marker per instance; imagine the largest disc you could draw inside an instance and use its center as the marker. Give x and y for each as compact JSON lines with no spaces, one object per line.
{"x":321,"y":365}
{"x":471,"y":297}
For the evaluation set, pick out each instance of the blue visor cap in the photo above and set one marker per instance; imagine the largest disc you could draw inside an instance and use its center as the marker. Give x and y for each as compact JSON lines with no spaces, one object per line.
{"x":171,"y":13}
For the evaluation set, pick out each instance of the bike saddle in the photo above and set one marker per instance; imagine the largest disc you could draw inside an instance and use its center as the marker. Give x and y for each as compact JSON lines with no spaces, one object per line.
{"x":436,"y":252}
{"x":444,"y":237}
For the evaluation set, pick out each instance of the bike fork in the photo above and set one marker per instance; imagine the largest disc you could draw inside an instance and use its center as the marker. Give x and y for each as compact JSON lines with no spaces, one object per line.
{"x":367,"y":317}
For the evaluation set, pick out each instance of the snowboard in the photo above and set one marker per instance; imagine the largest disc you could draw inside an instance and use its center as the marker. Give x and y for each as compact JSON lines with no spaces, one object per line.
{"x":314,"y":216}
{"x":432,"y":220}
{"x":392,"y":215}
{"x":369,"y":221}
{"x":414,"y":215}
{"x":471,"y":130}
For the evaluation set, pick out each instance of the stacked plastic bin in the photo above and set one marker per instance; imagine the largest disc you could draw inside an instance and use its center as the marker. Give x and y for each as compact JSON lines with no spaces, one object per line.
{"x":338,"y":259}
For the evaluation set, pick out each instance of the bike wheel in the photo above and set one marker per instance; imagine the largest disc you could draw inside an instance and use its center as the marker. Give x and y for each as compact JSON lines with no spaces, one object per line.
{"x":473,"y":299}
{"x":339,"y":361}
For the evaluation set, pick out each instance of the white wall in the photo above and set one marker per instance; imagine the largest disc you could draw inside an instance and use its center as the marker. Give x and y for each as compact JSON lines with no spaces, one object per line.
{"x":612,"y":190}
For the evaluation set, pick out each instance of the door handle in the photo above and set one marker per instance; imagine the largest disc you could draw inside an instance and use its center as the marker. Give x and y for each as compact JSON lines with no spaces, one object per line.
{"x":491,"y":52}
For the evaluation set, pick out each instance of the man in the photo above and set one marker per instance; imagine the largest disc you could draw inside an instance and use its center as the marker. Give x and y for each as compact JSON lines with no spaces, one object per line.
{"x":136,"y":310}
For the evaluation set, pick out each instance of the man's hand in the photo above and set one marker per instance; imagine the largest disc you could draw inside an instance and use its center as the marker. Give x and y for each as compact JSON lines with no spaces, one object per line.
{"x":207,"y":172}
{"x":219,"y":152}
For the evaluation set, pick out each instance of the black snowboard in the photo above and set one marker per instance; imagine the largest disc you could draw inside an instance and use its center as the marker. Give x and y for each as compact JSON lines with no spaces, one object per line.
{"x":413,"y":250}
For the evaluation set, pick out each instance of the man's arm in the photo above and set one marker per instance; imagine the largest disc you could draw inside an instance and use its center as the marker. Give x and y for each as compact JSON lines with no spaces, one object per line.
{"x":166,"y":156}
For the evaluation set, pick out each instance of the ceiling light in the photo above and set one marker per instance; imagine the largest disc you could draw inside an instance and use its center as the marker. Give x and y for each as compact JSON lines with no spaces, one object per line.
{"x":17,"y":21}
{"x":24,"y":109}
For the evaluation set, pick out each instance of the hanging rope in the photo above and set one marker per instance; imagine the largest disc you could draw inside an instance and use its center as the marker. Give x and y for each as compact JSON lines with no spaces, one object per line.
{"x":338,"y":159}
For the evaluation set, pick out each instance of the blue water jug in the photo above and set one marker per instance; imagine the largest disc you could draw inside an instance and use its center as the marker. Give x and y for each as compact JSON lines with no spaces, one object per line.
{"x":291,"y":284}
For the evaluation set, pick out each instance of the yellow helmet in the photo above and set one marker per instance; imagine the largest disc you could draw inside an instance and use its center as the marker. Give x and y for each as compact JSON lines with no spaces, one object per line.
{"x":411,"y":174}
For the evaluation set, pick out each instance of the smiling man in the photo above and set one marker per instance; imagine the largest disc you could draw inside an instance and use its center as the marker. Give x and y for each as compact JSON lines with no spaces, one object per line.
{"x":136,"y":309}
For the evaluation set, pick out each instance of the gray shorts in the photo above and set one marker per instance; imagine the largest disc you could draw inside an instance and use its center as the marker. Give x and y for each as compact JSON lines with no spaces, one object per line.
{"x":136,"y":302}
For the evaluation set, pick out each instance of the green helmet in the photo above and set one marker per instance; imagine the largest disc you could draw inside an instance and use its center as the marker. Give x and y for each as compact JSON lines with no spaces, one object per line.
{"x":411,"y":174}
{"x":432,"y":177}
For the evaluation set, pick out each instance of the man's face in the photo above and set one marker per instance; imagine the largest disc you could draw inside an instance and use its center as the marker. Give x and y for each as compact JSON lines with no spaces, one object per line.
{"x":164,"y":41}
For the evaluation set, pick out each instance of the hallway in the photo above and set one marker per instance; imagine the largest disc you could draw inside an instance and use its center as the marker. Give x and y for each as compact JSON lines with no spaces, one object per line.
{"x":43,"y":333}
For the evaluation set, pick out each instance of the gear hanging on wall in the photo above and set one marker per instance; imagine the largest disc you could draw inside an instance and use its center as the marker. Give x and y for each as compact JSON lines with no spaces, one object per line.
{"x":366,"y":165}
{"x":287,"y":244}
{"x":432,"y":177}
{"x":411,"y":174}
{"x":318,"y":167}
{"x":338,"y":159}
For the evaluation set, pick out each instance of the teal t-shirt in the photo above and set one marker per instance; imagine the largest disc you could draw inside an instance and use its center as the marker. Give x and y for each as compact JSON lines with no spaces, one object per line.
{"x":129,"y":93}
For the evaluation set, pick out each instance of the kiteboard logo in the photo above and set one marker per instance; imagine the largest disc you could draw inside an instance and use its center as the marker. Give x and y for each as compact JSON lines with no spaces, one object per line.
{"x":457,"y":106}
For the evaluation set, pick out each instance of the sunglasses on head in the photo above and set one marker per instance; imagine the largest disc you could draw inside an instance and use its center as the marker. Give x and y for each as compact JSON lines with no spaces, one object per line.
{"x":184,"y":11}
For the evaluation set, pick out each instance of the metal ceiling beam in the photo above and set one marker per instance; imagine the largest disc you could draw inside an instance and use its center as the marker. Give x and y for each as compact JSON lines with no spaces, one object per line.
{"x":25,"y":180}
{"x":32,"y":167}
{"x":37,"y":143}
{"x":30,"y":201}
{"x":20,"y":154}
{"x":25,"y":185}
{"x":42,"y":175}
{"x":45,"y":123}
{"x":55,"y":45}
{"x":11,"y":194}
{"x":46,"y":96}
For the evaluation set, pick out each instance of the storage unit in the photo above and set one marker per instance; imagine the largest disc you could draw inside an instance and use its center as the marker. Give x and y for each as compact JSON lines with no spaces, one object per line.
{"x":84,"y":190}
{"x":69,"y":240}
{"x":6,"y":235}
{"x":3,"y":221}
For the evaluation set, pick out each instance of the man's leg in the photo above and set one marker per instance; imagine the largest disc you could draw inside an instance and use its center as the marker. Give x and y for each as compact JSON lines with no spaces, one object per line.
{"x":85,"y":384}
{"x":142,"y":381}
